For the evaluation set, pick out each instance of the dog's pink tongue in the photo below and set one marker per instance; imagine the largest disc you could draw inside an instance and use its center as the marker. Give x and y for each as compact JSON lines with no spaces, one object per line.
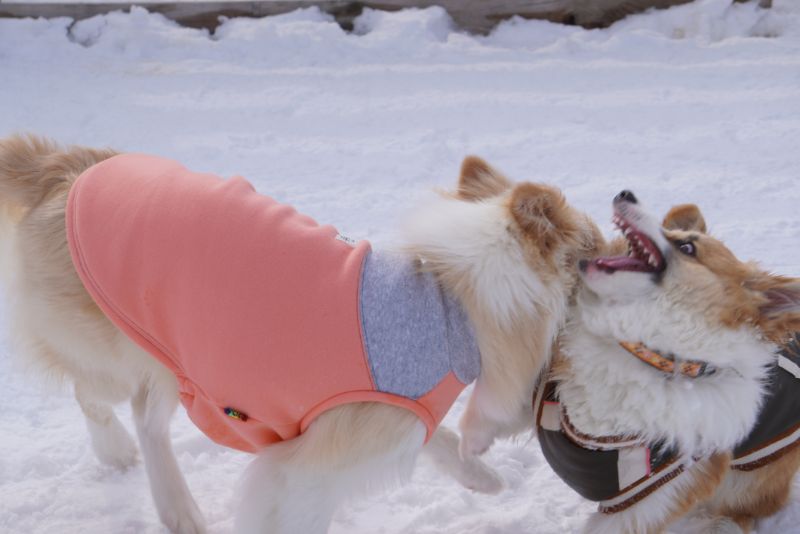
{"x":619,"y":263}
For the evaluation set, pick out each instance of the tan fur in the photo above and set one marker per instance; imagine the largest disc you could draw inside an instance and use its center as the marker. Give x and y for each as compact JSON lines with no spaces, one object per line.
{"x":745,"y":297}
{"x":706,"y":475}
{"x":732,"y":292}
{"x":478,"y":180}
{"x":34,"y":167}
{"x":685,"y":217}
{"x":768,"y":490}
{"x":37,"y":175}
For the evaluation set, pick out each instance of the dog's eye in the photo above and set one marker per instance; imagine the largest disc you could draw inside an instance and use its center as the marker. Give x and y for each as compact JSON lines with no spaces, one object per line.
{"x":687,"y":248}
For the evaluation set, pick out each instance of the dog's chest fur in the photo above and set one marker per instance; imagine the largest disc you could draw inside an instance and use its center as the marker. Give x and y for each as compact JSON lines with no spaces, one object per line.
{"x":606,"y":391}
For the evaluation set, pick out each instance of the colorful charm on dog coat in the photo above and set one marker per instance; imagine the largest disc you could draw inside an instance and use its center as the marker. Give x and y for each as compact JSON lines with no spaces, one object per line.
{"x":266,"y":318}
{"x":619,"y":471}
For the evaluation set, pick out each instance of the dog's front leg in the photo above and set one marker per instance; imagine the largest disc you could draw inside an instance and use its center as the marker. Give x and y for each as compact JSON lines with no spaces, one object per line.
{"x":472,"y":473}
{"x":489,"y":416}
{"x":153,"y":407}
{"x":478,"y":426}
{"x":501,"y":401}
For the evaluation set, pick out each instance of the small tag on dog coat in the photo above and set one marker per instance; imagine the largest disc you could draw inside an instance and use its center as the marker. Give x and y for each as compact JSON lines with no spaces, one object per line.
{"x":349,"y":240}
{"x":235,"y":414}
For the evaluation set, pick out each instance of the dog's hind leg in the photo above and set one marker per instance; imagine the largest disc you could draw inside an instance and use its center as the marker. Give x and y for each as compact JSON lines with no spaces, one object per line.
{"x":296,"y":486}
{"x":153,"y":406}
{"x":112,"y":444}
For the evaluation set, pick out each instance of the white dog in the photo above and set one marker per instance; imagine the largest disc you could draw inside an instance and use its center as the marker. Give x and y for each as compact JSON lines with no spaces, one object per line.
{"x":503,"y":254}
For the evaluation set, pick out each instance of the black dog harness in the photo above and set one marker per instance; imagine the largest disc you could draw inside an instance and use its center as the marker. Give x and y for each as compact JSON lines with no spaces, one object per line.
{"x":778,"y":428}
{"x":619,"y":471}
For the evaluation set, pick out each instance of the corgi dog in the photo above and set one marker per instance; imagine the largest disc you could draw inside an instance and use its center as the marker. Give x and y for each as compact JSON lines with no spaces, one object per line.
{"x":677,"y":381}
{"x":127,"y":275}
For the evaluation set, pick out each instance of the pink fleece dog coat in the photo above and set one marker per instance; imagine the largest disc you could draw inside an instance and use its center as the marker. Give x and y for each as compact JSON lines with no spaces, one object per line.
{"x":266,"y":318}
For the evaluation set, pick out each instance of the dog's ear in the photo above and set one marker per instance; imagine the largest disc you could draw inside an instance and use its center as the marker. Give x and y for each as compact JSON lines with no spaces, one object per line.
{"x":779,"y":304}
{"x":782,"y":296}
{"x":479,"y":180}
{"x":685,"y":217}
{"x":542,"y":213}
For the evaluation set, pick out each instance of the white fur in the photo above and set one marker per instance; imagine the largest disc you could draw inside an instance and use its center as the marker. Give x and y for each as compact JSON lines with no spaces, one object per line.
{"x":288,"y":489}
{"x":108,"y":369}
{"x":610,"y":392}
{"x":474,"y":244}
{"x":474,"y":239}
{"x":699,"y":416}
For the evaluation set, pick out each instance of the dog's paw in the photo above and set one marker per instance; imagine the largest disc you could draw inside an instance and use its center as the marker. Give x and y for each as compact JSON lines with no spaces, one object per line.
{"x":114,"y":446}
{"x":186,"y":520}
{"x":474,"y":442}
{"x":477,"y":476}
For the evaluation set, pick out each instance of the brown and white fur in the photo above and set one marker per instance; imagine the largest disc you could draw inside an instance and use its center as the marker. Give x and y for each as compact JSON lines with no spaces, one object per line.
{"x":679,"y":291}
{"x":505,"y":251}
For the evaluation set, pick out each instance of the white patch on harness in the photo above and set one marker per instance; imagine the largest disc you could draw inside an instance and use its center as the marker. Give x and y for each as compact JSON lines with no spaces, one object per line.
{"x":633,"y":464}
{"x":604,"y":506}
{"x":551,"y":417}
{"x":789,"y":366}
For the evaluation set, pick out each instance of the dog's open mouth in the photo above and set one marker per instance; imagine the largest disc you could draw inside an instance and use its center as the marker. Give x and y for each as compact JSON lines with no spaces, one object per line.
{"x":643,"y":256}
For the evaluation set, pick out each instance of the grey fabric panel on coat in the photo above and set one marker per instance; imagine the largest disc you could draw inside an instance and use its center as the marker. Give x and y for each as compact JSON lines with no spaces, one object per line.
{"x":414,"y":333}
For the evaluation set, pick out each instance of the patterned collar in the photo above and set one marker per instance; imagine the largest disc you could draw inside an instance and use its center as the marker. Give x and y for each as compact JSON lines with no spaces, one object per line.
{"x":669,"y":364}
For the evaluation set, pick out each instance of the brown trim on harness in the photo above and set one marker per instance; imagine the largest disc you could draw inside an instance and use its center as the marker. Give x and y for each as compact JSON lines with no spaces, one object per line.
{"x":761,"y":462}
{"x":569,"y":429}
{"x":583,"y":439}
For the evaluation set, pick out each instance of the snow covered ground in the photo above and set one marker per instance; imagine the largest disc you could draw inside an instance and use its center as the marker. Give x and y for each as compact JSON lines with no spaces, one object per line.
{"x":700,"y":103}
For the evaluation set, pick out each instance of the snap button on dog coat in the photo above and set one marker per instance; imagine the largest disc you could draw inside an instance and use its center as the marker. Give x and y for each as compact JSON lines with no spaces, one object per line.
{"x":266,"y":318}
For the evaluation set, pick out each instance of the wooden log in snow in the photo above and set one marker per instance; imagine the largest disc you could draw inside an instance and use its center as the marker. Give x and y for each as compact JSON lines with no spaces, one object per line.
{"x":477,"y":16}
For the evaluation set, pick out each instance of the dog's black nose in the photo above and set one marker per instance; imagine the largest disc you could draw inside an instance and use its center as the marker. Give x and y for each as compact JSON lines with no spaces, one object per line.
{"x":626,"y":196}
